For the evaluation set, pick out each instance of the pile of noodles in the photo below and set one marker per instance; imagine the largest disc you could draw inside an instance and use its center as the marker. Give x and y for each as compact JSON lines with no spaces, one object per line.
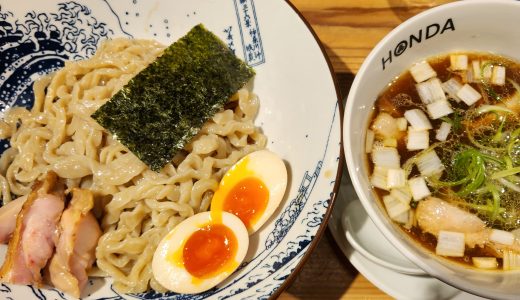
{"x":135,"y":205}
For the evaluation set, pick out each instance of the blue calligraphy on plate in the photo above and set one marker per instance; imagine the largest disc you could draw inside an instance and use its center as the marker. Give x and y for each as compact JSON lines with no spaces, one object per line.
{"x":249,"y":32}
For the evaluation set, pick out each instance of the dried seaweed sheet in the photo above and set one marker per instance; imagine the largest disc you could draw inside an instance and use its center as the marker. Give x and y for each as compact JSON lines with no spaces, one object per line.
{"x":164,"y":106}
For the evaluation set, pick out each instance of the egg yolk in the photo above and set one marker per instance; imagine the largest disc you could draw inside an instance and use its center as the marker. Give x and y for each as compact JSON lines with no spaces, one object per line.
{"x":247,"y":200}
{"x":209,"y":250}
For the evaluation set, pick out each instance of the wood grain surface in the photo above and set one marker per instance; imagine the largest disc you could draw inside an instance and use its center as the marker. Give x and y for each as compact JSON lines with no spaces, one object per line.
{"x":348,"y":30}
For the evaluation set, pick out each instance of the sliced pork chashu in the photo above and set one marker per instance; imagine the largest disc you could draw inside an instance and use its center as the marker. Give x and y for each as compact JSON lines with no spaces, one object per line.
{"x":75,"y":250}
{"x":8,"y":214}
{"x":35,"y":234}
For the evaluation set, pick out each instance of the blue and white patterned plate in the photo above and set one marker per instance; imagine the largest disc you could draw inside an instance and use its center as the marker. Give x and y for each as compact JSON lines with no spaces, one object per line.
{"x":299,"y":110}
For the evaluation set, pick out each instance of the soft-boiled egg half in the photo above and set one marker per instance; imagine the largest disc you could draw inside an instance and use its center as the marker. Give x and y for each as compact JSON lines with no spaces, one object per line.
{"x":200,"y":252}
{"x":252,"y":188}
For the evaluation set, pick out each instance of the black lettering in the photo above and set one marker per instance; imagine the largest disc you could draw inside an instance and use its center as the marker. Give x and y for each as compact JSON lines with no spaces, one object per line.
{"x":388,"y":59}
{"x":429,"y":33}
{"x":415,"y":38}
{"x":400,"y":48}
{"x":449,"y":25}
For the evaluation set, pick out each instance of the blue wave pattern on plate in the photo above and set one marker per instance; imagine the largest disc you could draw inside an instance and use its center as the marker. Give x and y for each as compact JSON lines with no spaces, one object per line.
{"x":39,"y":44}
{"x":42,"y":41}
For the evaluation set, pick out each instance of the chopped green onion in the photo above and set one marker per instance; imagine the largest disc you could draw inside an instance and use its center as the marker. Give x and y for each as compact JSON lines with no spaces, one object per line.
{"x":505,"y":173}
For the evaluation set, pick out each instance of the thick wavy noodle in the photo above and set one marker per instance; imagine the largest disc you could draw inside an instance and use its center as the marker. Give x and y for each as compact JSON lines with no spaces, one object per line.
{"x":137,"y":206}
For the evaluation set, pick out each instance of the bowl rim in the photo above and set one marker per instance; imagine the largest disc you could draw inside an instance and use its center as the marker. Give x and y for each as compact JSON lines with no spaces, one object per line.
{"x":376,"y":217}
{"x":341,"y":162}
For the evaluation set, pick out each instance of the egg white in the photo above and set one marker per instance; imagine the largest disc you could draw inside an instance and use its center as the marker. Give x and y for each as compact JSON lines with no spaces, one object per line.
{"x":268,"y":168}
{"x":173,"y":276}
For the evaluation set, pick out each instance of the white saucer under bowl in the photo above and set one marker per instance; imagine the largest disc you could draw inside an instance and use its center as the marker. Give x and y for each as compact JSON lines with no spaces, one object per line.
{"x":363,"y":235}
{"x":396,"y":284}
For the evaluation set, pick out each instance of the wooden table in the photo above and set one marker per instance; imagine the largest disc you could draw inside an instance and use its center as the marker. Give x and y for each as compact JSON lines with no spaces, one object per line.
{"x":348,"y":29}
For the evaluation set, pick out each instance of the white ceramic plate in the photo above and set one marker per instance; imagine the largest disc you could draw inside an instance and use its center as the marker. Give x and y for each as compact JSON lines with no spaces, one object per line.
{"x":299,"y":111}
{"x":396,"y":284}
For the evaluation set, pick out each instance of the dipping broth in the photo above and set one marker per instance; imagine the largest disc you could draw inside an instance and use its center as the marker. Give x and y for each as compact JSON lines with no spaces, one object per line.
{"x":443,"y":148}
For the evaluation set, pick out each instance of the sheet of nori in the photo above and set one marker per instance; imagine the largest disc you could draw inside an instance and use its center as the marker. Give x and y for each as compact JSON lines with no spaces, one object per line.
{"x":164,"y":106}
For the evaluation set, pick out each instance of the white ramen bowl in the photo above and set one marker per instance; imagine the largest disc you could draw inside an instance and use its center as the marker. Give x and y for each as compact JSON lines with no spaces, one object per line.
{"x":491,"y":26}
{"x":299,"y":111}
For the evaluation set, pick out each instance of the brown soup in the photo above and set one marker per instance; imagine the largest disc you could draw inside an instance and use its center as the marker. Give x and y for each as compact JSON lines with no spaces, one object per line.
{"x":480,"y":155}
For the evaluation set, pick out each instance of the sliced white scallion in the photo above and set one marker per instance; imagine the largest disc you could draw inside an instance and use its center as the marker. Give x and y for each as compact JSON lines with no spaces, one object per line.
{"x":430,"y":91}
{"x":390,"y":142}
{"x":488,"y":263}
{"x":396,"y":178}
{"x":422,"y":71}
{"x":486,"y":69}
{"x":511,"y":260}
{"x":502,"y":237}
{"x":386,"y":157}
{"x":402,"y":194}
{"x":499,"y":75}
{"x":468,"y":94}
{"x":378,"y":178}
{"x":468,"y":76}
{"x":452,"y":87}
{"x":395,"y":209}
{"x":450,"y":243}
{"x":369,"y":141}
{"x":403,"y":218}
{"x":443,"y":131}
{"x":476,"y":70}
{"x":418,"y":119}
{"x":439,"y":109}
{"x":385,"y":125}
{"x":458,"y":62}
{"x":417,"y":139}
{"x":429,"y":163}
{"x":411,"y":220}
{"x":402,"y":124}
{"x":418,"y":188}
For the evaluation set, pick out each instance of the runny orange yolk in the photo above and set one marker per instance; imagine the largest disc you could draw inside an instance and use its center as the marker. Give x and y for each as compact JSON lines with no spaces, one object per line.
{"x":247,"y":200}
{"x":209,"y":250}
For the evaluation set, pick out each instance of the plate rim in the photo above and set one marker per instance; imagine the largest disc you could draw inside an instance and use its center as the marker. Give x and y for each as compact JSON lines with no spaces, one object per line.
{"x":341,"y":163}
